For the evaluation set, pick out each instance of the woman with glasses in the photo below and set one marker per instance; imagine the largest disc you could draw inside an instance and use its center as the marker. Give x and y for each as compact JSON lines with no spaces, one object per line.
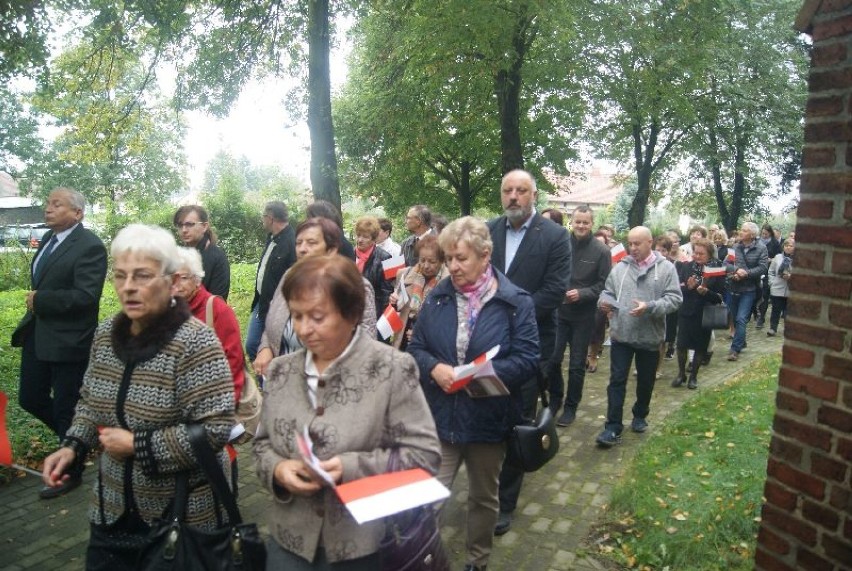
{"x":153,"y":371}
{"x":193,"y":227}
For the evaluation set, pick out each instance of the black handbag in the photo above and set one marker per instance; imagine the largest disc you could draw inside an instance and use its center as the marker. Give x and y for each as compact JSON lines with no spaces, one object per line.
{"x":412,"y":541}
{"x":531,"y":446}
{"x":715,"y":316}
{"x":176,"y":545}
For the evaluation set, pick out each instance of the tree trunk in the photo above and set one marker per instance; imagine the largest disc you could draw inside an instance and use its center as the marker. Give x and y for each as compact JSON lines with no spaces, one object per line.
{"x":464,"y":193}
{"x":507,"y":88}
{"x":323,"y":157}
{"x":643,"y":155}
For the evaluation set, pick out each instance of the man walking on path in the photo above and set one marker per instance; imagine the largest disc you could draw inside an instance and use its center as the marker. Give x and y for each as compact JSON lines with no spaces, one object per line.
{"x":278,"y":255}
{"x":591,"y":263}
{"x":57,"y":329}
{"x":752,"y":261}
{"x":640,"y":291}
{"x":535,"y":254}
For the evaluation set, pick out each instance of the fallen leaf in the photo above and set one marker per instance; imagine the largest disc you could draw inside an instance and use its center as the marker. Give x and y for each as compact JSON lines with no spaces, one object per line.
{"x":671,"y":530}
{"x":710,"y":434}
{"x":689,"y":454}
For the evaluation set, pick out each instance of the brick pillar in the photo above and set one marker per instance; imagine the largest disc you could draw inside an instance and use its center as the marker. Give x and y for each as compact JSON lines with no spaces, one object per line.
{"x":807,"y":518}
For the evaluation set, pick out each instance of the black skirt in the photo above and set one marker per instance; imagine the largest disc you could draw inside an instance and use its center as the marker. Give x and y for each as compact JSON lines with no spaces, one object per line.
{"x":690,"y":334}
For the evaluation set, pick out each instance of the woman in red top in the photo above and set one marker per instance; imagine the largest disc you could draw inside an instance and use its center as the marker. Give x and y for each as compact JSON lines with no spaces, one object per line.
{"x":188,"y":286}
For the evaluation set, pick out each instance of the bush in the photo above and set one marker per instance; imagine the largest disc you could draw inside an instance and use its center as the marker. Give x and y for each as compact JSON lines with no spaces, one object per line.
{"x":15,"y":268}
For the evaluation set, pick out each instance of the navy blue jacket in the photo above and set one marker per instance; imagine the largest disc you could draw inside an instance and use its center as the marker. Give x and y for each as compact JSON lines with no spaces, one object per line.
{"x":507,"y":319}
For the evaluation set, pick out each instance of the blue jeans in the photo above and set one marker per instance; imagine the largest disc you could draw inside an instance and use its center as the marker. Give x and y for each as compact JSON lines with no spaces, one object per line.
{"x":621,"y":356}
{"x":253,"y":334}
{"x":740,"y":308}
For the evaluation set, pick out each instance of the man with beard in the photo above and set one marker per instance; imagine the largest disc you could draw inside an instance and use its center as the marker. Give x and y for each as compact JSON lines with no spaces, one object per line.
{"x":535,"y":254}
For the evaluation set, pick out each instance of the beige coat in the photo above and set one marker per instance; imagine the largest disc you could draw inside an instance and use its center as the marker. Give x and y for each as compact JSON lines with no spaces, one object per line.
{"x":368,"y":401}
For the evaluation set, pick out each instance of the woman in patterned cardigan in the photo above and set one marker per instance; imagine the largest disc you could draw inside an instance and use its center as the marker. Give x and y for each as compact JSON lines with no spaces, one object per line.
{"x":153,"y":370}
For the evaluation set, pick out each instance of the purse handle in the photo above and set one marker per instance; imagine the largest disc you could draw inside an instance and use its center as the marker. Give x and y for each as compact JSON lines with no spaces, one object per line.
{"x":213,"y":471}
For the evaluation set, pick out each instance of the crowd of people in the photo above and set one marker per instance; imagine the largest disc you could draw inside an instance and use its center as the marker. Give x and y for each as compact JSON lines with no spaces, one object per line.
{"x":520,"y":283}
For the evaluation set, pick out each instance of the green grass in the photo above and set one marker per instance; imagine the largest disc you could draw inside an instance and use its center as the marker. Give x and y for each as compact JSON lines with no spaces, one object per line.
{"x":31,"y":440}
{"x":692,"y":495}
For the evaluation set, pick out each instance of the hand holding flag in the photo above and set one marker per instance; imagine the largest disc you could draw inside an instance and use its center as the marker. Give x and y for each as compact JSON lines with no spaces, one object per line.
{"x":618,"y":253}
{"x":392,"y":265}
{"x":389,"y":323}
{"x":718,"y":272}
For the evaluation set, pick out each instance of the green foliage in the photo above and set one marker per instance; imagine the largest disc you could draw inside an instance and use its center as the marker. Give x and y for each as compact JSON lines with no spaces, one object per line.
{"x":23,"y":37}
{"x":19,"y":140}
{"x":15,"y":268}
{"x":691,"y":498}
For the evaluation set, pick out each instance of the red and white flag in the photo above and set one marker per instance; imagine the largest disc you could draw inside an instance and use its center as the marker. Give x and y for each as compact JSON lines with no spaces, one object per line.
{"x":389,"y":323}
{"x":392,"y":265}
{"x":374,"y":497}
{"x":718,"y":272}
{"x":403,"y":298}
{"x":731,"y":257}
{"x":618,"y":253}
{"x":480,"y":366}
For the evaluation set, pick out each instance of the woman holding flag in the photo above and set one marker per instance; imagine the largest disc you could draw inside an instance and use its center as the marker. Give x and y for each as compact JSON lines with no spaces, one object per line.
{"x":702,"y":281}
{"x":314,"y":237}
{"x":464,"y":317}
{"x":415,"y":283}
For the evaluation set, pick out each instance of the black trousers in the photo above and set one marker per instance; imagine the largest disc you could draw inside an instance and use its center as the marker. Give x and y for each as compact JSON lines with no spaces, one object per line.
{"x":576,"y":333}
{"x":49,"y":390}
{"x":512,"y":478}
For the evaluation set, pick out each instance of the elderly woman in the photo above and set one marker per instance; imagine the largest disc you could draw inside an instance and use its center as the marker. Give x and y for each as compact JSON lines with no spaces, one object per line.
{"x":698,"y":291}
{"x":780,"y":270}
{"x":189,"y":286}
{"x":360,"y":401}
{"x":314,"y":237}
{"x":153,"y":371}
{"x":418,"y":280}
{"x":476,"y":309}
{"x":369,"y":258}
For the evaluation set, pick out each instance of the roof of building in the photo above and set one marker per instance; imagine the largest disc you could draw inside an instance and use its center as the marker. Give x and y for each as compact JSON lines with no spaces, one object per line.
{"x":595,"y":187}
{"x":8,"y":185}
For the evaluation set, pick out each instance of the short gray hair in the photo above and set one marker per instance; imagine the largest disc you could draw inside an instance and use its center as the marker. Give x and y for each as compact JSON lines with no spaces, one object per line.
{"x":149,"y":241}
{"x":751,"y":227}
{"x":190,"y":259}
{"x":76,"y":198}
{"x":278,"y":210}
{"x":468,"y":229}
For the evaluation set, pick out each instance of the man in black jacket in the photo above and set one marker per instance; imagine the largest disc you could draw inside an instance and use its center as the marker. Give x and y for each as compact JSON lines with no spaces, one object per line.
{"x":278,"y":255}
{"x":591,"y":263}
{"x":535,"y":254}
{"x":57,"y":329}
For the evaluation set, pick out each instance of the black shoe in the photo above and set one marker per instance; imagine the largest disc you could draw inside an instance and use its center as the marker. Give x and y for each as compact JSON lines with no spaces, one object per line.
{"x":568,"y":416}
{"x":678,"y":382}
{"x":48,"y":493}
{"x":759,"y":324}
{"x":693,"y":383}
{"x":639,"y":425}
{"x":608,"y":439}
{"x":706,"y":360}
{"x":471,"y":567}
{"x":669,"y":353}
{"x":504,"y":524}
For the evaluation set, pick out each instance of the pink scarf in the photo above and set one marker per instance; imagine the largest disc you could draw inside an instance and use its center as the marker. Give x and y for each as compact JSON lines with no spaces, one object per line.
{"x":362,"y":257}
{"x":475,"y":293}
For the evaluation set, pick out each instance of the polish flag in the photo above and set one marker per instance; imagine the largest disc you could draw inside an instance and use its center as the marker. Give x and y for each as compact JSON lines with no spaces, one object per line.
{"x":467,"y":372}
{"x":714,"y":272}
{"x":618,"y":253}
{"x":402,"y":295}
{"x":389,"y":323}
{"x":374,"y":497}
{"x":731,"y":257}
{"x":392,"y":265}
{"x":5,"y":445}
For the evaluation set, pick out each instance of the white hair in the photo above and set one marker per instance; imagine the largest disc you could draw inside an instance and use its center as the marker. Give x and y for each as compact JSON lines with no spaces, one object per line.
{"x":149,"y":241}
{"x":751,"y":227}
{"x":190,"y":259}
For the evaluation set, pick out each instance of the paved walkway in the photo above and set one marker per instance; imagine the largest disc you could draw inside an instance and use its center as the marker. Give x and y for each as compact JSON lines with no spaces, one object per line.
{"x":557,"y":508}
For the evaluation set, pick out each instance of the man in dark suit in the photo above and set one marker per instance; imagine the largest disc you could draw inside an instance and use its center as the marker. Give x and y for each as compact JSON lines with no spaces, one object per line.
{"x":56,"y":332}
{"x":278,"y":255}
{"x":418,"y":221}
{"x":535,"y":254}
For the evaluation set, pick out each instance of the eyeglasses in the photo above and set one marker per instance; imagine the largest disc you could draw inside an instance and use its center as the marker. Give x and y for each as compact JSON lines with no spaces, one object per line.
{"x":138,"y":279}
{"x":185,"y":277}
{"x":187,"y":225}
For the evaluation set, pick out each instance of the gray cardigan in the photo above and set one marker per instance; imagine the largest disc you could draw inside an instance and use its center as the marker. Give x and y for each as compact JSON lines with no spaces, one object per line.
{"x":368,"y":401}
{"x":658,"y":286}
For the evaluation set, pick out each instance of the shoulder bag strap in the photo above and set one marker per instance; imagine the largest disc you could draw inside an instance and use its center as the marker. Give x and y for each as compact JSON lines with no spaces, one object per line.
{"x":213,"y":471}
{"x":209,"y":311}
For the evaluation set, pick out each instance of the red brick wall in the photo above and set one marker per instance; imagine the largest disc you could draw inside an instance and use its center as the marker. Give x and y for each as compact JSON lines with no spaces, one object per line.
{"x":807,"y":519}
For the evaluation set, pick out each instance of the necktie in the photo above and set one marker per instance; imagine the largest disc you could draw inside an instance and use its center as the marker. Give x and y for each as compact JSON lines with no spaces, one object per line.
{"x":44,"y":256}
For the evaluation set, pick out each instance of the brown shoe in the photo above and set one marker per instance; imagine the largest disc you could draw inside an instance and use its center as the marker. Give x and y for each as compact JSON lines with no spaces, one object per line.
{"x":733,"y":356}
